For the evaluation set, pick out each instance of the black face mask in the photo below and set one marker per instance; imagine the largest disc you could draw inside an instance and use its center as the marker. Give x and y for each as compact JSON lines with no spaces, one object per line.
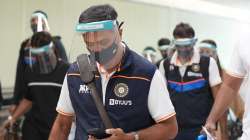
{"x":33,"y":28}
{"x":105,"y":55}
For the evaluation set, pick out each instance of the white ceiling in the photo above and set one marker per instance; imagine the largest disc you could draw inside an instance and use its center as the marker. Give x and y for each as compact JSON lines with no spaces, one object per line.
{"x":233,"y":9}
{"x":241,"y":4}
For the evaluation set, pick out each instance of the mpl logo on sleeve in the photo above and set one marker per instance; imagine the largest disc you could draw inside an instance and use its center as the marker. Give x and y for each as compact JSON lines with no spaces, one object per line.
{"x":84,"y":89}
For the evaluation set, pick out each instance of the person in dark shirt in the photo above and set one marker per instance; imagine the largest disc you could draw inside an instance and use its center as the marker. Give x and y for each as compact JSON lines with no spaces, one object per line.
{"x":42,"y":81}
{"x":38,"y":23}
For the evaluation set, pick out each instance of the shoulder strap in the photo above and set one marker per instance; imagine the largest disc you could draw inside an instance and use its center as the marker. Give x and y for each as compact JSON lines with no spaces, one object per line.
{"x":204,"y":64}
{"x":86,"y":70}
{"x":166,"y":65}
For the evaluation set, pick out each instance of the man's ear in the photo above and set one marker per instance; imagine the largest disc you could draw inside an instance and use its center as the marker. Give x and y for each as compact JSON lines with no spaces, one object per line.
{"x":120,"y":32}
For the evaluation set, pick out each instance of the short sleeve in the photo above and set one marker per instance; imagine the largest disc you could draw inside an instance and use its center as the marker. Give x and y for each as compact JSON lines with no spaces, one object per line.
{"x":236,"y":66}
{"x":64,"y":105}
{"x":159,"y":103}
{"x":214,"y":73}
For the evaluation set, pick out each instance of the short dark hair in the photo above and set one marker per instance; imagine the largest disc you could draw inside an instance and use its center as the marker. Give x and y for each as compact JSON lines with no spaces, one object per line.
{"x":98,"y":13}
{"x":209,"y":41}
{"x":42,"y":12}
{"x":183,"y":30}
{"x":40,"y":39}
{"x":163,"y":41}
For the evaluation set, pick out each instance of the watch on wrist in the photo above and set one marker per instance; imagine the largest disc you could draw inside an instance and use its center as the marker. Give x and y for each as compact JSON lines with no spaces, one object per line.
{"x":136,"y":135}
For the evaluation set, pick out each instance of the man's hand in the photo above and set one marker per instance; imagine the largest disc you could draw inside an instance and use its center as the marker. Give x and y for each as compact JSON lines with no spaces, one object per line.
{"x":9,"y":122}
{"x":118,"y":134}
{"x":211,"y":127}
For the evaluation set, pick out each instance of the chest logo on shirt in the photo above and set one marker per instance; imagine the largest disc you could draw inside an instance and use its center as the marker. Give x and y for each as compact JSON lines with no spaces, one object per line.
{"x":194,"y":74}
{"x":84,"y":89}
{"x":171,"y":67}
{"x":196,"y":68}
{"x":121,"y":90}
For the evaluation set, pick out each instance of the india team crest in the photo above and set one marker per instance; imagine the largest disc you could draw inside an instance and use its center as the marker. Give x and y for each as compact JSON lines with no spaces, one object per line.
{"x":121,"y":90}
{"x":196,"y":68}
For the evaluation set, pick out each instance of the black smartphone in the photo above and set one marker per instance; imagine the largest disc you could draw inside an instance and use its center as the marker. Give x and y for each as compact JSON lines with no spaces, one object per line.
{"x":98,"y":133}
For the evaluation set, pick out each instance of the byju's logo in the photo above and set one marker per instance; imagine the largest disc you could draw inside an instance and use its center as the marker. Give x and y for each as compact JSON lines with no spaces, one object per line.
{"x":84,"y":89}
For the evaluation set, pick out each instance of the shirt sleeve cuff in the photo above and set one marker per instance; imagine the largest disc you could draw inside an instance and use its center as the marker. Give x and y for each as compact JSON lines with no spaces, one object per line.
{"x":215,"y":83}
{"x":237,"y":75}
{"x":64,"y":113}
{"x":165,"y":117}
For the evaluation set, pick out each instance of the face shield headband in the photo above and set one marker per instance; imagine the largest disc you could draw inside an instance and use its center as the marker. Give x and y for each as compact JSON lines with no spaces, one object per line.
{"x":207,"y":45}
{"x":101,"y":40}
{"x":42,"y":49}
{"x":184,"y":42}
{"x":95,"y":26}
{"x":164,"y":47}
{"x":45,"y":57}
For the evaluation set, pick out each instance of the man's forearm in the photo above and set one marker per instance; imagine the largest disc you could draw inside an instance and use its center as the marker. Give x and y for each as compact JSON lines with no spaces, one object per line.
{"x":223,"y":125}
{"x":161,"y":131}
{"x":61,"y":128}
{"x":22,"y":108}
{"x":225,"y":96}
{"x":58,"y":133}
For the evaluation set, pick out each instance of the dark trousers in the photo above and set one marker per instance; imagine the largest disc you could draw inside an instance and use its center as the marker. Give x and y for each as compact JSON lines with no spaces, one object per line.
{"x":188,"y":134}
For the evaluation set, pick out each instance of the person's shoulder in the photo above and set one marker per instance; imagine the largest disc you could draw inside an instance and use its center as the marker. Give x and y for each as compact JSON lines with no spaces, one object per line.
{"x":73,"y":68}
{"x":24,"y":43}
{"x":141,"y":63}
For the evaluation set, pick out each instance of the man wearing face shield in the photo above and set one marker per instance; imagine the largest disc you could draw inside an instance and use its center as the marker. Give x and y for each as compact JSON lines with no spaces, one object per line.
{"x":164,"y":46}
{"x":131,"y":88}
{"x":208,"y":48}
{"x":38,"y":23}
{"x":150,"y":54}
{"x":192,"y":81}
{"x":43,"y":79}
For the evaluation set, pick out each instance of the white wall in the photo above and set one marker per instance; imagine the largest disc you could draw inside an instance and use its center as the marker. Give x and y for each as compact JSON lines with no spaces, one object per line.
{"x":144,"y":25}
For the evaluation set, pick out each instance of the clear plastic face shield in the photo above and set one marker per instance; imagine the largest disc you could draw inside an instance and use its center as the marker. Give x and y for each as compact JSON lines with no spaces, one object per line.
{"x":42,"y":59}
{"x":101,"y":40}
{"x":39,"y":22}
{"x":185,"y":47}
{"x":150,"y":55}
{"x":208,"y":50}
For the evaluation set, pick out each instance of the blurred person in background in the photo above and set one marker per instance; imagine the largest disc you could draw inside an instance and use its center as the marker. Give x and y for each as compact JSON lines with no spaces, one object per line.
{"x":38,"y":23}
{"x":43,"y":79}
{"x":150,"y":54}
